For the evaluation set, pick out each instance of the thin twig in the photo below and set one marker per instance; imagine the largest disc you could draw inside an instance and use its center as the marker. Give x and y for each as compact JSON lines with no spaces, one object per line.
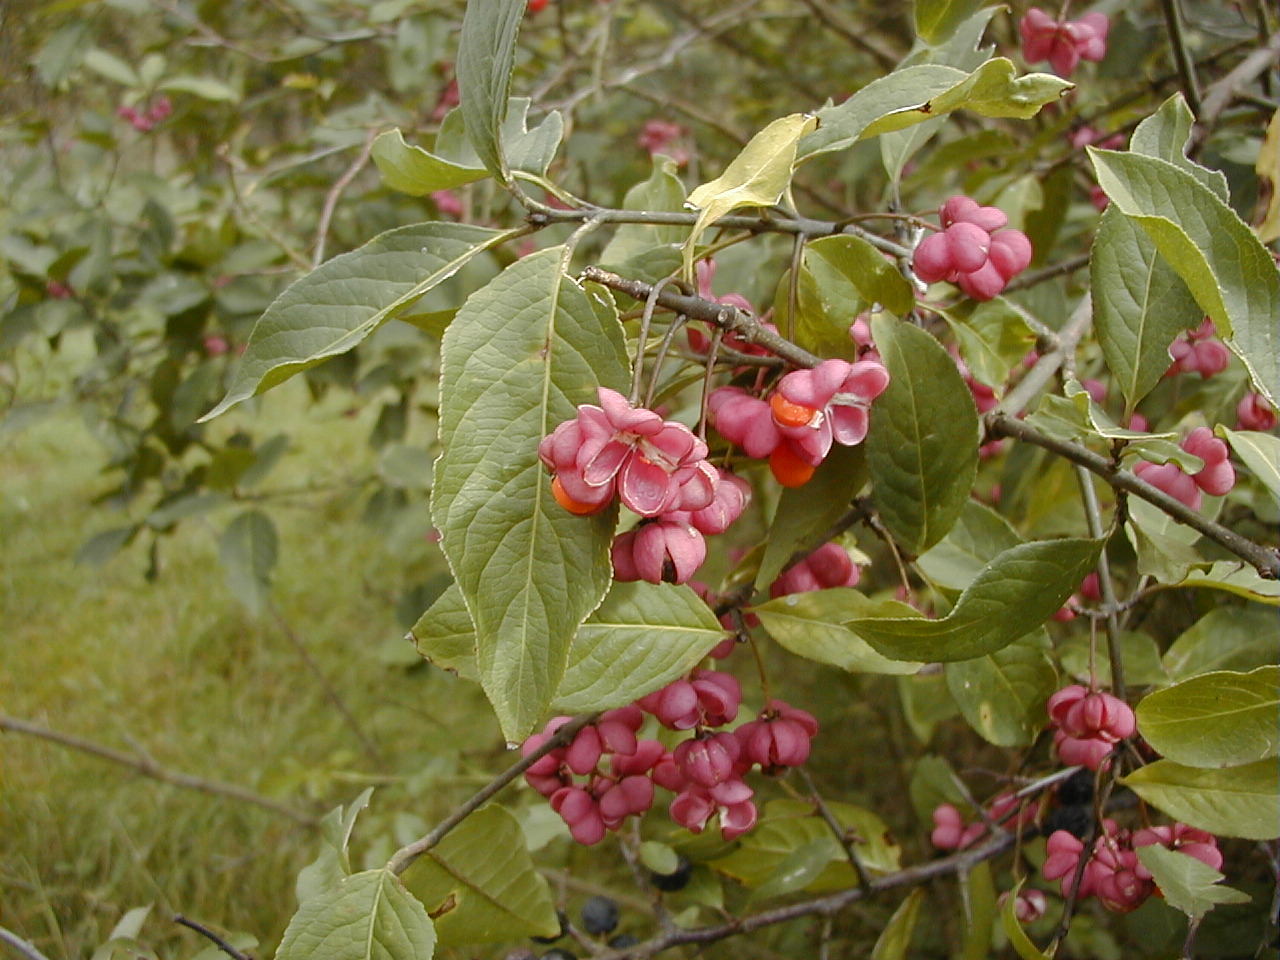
{"x":841,"y":834}
{"x":204,"y":931}
{"x":1223,"y":91}
{"x":1093,"y":515}
{"x":335,"y":193}
{"x":24,"y":947}
{"x":402,"y":858}
{"x":149,"y":768}
{"x":1181,"y":54}
{"x":887,"y":59}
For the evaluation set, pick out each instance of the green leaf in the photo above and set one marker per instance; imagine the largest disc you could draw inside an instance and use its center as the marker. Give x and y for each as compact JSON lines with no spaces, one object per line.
{"x":756,"y":177}
{"x":1232,"y":802}
{"x":110,"y":66}
{"x":414,"y":171}
{"x":977,"y":537}
{"x":862,"y":265}
{"x":248,"y":550}
{"x":979,"y":892}
{"x":1188,"y":884}
{"x":1015,"y":593}
{"x":662,"y":191}
{"x":1234,"y":577}
{"x":101,"y":547}
{"x":1139,"y":304}
{"x":1018,"y":938}
{"x":787,"y":825}
{"x":936,"y":20}
{"x":445,"y":635}
{"x":813,"y":625}
{"x":1165,"y":133}
{"x":1259,"y":452}
{"x":1139,"y":654}
{"x":643,"y":636}
{"x":337,"y":305}
{"x":368,"y":916}
{"x":519,"y":357}
{"x":894,"y":941}
{"x":333,"y":863}
{"x":1230,"y":274}
{"x":484,"y":869}
{"x":805,"y":513}
{"x":1002,"y":695}
{"x":206,"y":88}
{"x":1219,"y":719}
{"x":922,"y":445}
{"x":530,"y":151}
{"x":486,"y":57}
{"x":1165,"y":557}
{"x":993,"y":338}
{"x":1226,"y":638}
{"x":797,"y":870}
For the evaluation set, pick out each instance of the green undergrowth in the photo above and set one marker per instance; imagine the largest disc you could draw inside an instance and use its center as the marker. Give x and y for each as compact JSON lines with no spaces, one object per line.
{"x":178,"y":669}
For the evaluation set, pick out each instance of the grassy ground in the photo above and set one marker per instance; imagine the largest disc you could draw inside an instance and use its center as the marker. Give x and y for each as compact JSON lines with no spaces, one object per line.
{"x":177,"y":669}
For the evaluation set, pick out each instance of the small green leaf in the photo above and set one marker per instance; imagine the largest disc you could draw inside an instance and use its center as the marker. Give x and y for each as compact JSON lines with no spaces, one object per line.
{"x":484,"y":869}
{"x":1232,"y":802}
{"x":110,"y":66}
{"x":936,"y":20}
{"x":993,"y":338}
{"x":787,"y":825}
{"x":1228,"y":271}
{"x":486,"y":57}
{"x":867,"y":269}
{"x":797,"y":870}
{"x":1226,"y":638}
{"x":662,"y":191}
{"x":979,"y":535}
{"x":1018,"y":938}
{"x":756,"y":177}
{"x":895,"y":939}
{"x":445,"y":635}
{"x":1165,"y":557}
{"x":101,"y":547}
{"x":813,"y":625}
{"x":414,"y":171}
{"x":922,"y":446}
{"x":333,"y":863}
{"x":1219,"y":719}
{"x":1259,"y":452}
{"x":206,"y":88}
{"x":1015,"y":593}
{"x":368,"y":916}
{"x":337,"y":305}
{"x":519,"y":357}
{"x":979,"y":892}
{"x":1002,"y":695}
{"x":1139,"y":305}
{"x":248,"y":550}
{"x":643,"y":636}
{"x":1188,"y":884}
{"x":1234,"y":577}
{"x":806,"y":513}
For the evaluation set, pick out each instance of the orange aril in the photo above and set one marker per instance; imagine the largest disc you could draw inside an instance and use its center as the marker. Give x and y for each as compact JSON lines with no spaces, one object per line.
{"x":576,"y":507}
{"x":790,"y":414}
{"x":788,"y":469}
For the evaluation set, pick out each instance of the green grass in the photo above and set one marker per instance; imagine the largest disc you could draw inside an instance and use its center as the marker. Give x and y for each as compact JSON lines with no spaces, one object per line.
{"x":178,"y":668}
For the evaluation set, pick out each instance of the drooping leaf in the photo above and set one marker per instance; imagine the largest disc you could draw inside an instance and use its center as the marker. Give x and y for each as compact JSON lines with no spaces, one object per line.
{"x":1139,"y":305}
{"x":922,"y":446}
{"x":248,"y":550}
{"x":1015,"y":593}
{"x":813,"y":625}
{"x":1002,"y":695}
{"x":805,"y":513}
{"x":1165,"y":133}
{"x":486,"y":57}
{"x":643,"y":636}
{"x":977,"y":537}
{"x":923,"y":91}
{"x":445,"y":635}
{"x":1259,"y":452}
{"x":1226,"y":638}
{"x":1188,"y":884}
{"x":756,"y":177}
{"x":1219,"y":719}
{"x":337,"y":305}
{"x":415,"y":171}
{"x":894,"y":942}
{"x":1232,"y":802}
{"x":367,"y":916}
{"x":785,"y":826}
{"x":521,"y":354}
{"x":1230,"y":274}
{"x":1018,"y":938}
{"x":484,"y":870}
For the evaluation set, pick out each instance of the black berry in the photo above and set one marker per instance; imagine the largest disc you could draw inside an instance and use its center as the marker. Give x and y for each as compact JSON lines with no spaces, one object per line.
{"x":599,"y":916}
{"x":1076,"y":789}
{"x":1074,"y":819}
{"x":559,"y":953}
{"x":678,"y":879}
{"x":623,"y":940}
